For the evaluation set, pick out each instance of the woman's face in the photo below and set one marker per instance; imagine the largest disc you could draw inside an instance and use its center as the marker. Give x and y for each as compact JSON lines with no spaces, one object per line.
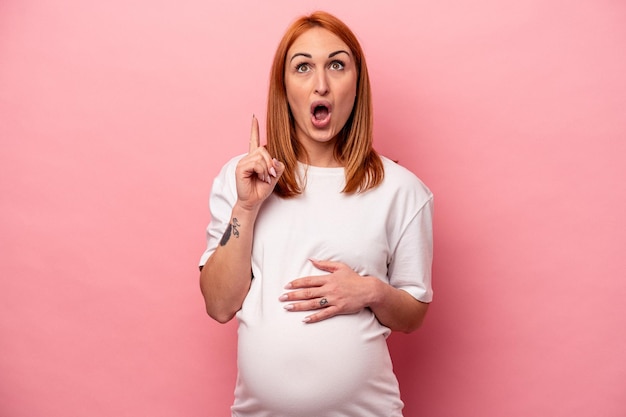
{"x":320,"y":80}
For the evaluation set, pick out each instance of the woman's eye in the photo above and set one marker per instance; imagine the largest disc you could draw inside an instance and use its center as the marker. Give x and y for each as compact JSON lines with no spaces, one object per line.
{"x":302,"y":67}
{"x":336,"y":65}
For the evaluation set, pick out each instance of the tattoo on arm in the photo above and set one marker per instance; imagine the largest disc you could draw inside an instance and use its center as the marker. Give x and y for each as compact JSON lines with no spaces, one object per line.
{"x":230,"y":229}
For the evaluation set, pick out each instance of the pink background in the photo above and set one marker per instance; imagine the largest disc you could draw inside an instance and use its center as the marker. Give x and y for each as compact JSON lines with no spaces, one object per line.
{"x":116,"y":115}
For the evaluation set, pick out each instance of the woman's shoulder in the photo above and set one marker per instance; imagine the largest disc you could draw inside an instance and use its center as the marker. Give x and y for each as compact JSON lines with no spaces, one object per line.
{"x":397,"y":175}
{"x":228,"y":168}
{"x":224,"y":182}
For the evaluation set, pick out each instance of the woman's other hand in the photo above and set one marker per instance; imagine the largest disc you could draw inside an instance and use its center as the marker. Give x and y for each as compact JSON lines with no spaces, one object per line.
{"x":343,"y":291}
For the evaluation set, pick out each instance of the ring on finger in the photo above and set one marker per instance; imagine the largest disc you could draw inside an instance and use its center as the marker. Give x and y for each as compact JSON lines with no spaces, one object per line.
{"x":323,"y":302}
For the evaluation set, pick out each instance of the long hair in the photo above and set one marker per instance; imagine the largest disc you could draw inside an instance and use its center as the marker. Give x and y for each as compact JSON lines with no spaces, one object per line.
{"x":363,"y":166}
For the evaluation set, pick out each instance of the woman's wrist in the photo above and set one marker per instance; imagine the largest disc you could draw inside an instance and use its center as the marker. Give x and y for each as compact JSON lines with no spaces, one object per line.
{"x":376,"y":292}
{"x":244,"y":211}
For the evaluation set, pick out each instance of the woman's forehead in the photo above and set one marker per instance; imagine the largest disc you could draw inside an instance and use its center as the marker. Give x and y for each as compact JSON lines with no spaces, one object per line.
{"x":317,"y":41}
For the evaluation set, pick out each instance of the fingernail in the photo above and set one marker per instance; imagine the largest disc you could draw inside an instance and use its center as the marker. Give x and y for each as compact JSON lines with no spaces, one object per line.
{"x":272,"y":172}
{"x":288,"y":286}
{"x":283,"y":297}
{"x":268,"y":179}
{"x":288,"y":307}
{"x":306,"y":319}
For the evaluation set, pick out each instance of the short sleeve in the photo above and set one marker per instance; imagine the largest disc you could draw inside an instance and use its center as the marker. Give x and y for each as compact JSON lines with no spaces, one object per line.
{"x":410,"y":268}
{"x":221,"y":201}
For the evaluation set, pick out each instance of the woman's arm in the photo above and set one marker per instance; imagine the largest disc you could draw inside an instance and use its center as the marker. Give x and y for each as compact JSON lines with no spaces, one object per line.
{"x":397,"y":309}
{"x":346,"y":292}
{"x":225,"y":277}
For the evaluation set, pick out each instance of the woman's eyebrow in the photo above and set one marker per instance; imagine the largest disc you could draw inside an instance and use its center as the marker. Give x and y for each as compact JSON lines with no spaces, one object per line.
{"x":338,"y":52}
{"x":332,"y":54}
{"x":300,"y":54}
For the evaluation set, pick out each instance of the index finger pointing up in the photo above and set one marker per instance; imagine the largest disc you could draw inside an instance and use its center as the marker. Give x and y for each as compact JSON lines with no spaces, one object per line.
{"x":254,"y":135}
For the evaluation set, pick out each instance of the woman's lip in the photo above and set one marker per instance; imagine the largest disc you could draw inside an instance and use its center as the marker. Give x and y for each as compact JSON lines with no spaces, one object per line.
{"x":320,"y":124}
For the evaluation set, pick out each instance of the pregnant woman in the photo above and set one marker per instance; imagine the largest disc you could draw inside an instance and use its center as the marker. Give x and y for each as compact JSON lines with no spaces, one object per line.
{"x":318,"y":245}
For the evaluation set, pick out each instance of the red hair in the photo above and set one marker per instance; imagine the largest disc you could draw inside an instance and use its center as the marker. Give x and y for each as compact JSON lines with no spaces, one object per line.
{"x":363,"y":166}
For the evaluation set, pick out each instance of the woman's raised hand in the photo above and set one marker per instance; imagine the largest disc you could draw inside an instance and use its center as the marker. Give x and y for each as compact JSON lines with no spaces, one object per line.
{"x":256,"y":172}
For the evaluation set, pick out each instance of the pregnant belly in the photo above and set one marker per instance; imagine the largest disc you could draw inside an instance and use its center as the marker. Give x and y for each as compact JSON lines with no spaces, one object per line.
{"x":287,"y":366}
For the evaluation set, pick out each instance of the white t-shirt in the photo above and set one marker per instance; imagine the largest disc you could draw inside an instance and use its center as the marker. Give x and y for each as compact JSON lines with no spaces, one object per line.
{"x":340,"y":366}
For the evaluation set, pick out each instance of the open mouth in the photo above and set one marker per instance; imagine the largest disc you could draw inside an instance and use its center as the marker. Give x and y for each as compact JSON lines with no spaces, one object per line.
{"x":320,"y":114}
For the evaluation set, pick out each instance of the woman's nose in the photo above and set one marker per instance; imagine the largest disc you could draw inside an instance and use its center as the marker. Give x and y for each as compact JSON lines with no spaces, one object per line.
{"x":321,"y":84}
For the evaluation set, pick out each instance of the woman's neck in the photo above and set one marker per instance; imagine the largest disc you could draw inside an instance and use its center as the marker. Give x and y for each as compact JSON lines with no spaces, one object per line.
{"x":323,"y":162}
{"x":321,"y":154}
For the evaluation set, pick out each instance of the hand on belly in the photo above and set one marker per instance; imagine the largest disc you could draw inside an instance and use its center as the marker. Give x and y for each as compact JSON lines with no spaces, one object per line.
{"x":341,"y":291}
